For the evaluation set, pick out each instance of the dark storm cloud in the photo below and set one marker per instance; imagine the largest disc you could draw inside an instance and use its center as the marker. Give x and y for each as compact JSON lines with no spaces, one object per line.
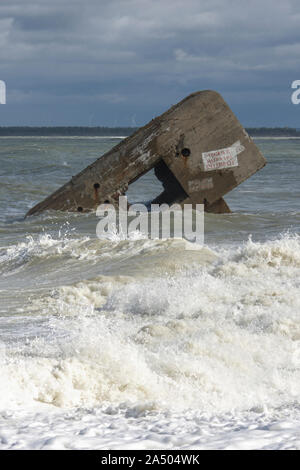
{"x":46,"y":22}
{"x":137,"y":57}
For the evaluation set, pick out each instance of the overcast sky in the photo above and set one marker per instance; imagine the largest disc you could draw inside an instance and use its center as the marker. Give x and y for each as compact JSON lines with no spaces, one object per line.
{"x":122,"y":62}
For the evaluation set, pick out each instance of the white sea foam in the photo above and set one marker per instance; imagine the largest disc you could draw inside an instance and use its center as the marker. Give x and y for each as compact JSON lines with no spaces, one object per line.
{"x":216,"y":337}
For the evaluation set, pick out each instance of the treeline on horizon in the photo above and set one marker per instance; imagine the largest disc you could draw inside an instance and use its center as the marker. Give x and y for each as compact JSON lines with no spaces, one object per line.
{"x":66,"y":131}
{"x":61,"y":131}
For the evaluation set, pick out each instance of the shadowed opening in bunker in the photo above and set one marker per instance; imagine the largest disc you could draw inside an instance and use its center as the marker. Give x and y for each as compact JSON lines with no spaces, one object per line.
{"x":157,"y":186}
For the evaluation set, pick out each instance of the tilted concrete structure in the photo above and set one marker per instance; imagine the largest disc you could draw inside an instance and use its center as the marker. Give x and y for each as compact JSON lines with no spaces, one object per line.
{"x":198,"y":149}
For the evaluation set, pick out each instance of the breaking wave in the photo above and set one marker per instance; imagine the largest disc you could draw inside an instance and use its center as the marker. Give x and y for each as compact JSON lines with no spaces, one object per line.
{"x":212,"y":330}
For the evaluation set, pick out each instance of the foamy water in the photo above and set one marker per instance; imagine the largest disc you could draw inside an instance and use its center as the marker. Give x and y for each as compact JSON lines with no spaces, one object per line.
{"x":119,"y":344}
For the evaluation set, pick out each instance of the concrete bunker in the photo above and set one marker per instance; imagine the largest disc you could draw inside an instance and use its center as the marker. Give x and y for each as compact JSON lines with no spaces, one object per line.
{"x":197,"y":149}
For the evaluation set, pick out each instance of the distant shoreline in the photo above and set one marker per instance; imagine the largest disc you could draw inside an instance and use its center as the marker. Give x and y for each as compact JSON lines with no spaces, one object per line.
{"x":116,"y":137}
{"x":63,"y":131}
{"x":63,"y":136}
{"x":122,"y":132}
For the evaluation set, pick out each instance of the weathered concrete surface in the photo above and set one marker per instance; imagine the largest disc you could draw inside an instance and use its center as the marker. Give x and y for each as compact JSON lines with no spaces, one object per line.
{"x":199,"y":151}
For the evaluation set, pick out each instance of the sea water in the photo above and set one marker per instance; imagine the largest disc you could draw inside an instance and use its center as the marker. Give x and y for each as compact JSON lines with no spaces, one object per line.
{"x":140,"y":343}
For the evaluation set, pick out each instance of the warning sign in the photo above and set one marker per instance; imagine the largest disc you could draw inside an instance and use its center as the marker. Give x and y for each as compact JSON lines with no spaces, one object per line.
{"x":222,"y":158}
